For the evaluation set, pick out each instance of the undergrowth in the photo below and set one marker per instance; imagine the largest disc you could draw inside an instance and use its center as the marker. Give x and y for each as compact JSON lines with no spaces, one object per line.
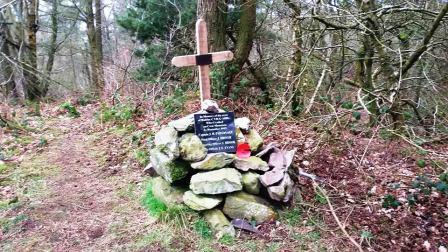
{"x":70,"y":109}
{"x":120,"y":113}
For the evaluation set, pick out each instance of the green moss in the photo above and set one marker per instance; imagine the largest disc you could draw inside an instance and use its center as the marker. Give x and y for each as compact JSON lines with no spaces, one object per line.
{"x":227,"y":240}
{"x":154,"y":206}
{"x":178,"y":169}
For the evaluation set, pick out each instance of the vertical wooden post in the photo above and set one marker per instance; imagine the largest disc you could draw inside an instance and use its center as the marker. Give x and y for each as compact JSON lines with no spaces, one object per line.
{"x":202,"y":48}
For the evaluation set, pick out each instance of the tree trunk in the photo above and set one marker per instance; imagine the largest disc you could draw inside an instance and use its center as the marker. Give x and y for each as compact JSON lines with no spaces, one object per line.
{"x":95,"y":60}
{"x":33,"y":90}
{"x":6,"y":68}
{"x":52,"y":47}
{"x":243,"y":46}
{"x":214,"y":12}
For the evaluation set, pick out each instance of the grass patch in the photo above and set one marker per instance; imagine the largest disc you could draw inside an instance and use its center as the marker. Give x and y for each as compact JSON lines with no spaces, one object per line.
{"x":291,"y":217}
{"x":154,"y":206}
{"x":203,"y":229}
{"x":227,"y":240}
{"x":70,"y":109}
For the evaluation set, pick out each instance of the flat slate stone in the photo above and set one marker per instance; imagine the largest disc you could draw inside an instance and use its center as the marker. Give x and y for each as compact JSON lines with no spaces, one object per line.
{"x":272,"y":177}
{"x":242,"y":205}
{"x":214,"y":161}
{"x":183,"y":124}
{"x":250,"y":163}
{"x":224,"y":180}
{"x":283,"y":191}
{"x":167,"y":137}
{"x":200,"y":202}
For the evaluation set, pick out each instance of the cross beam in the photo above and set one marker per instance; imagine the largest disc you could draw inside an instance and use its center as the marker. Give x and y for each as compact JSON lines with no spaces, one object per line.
{"x":202,"y":59}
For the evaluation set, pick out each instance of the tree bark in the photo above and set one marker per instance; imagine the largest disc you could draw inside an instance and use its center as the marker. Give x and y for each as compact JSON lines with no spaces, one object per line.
{"x":6,"y":67}
{"x":243,"y":46}
{"x":33,"y":90}
{"x":95,"y":58}
{"x":52,"y":47}
{"x":214,"y":12}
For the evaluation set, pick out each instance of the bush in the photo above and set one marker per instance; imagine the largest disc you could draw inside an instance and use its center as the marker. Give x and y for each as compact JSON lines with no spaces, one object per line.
{"x":119,"y":113}
{"x":174,"y":103}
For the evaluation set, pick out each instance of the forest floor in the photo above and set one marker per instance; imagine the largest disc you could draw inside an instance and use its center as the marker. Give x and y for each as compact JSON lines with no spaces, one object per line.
{"x":77,"y":184}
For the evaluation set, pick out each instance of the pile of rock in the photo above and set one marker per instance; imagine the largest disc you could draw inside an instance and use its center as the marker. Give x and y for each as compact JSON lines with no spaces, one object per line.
{"x":220,"y":184}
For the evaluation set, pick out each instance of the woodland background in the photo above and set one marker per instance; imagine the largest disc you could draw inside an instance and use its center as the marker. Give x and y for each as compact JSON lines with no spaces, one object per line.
{"x":359,"y":87}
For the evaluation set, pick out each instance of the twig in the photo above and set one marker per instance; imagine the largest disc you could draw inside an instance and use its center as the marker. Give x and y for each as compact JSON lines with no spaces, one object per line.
{"x":342,"y":227}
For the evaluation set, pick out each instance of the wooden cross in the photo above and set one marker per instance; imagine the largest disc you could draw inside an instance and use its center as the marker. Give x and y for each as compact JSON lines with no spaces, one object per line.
{"x":202,"y":59}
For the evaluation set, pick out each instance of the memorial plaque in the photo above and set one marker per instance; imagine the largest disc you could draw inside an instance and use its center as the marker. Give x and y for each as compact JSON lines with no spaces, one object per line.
{"x":216,"y":131}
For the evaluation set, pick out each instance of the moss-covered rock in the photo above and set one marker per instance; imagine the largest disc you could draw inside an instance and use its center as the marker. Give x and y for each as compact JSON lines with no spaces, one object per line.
{"x":251,"y":182}
{"x":242,"y":205}
{"x":254,"y":140}
{"x":250,"y":163}
{"x":171,"y":196}
{"x":201,"y":202}
{"x":214,"y":161}
{"x":191,"y":148}
{"x":166,"y":165}
{"x":216,"y":182}
{"x":219,"y":223}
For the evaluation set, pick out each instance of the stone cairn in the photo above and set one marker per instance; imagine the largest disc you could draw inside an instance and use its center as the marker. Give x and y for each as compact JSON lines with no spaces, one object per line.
{"x":221,"y":185}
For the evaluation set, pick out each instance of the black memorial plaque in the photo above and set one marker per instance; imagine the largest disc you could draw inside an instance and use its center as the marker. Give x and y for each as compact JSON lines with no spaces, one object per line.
{"x":216,"y":131}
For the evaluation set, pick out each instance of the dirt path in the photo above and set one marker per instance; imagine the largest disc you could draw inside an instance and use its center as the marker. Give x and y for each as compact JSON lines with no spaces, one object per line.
{"x":70,"y":199}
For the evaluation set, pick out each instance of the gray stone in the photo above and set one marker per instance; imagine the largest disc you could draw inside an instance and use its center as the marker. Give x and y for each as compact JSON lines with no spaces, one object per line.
{"x":191,"y":148}
{"x":283,"y":191}
{"x":167,"y":137}
{"x":250,"y":163}
{"x":240,"y":138}
{"x":224,"y":180}
{"x":163,"y":191}
{"x":254,"y":140}
{"x":165,"y":164}
{"x":251,"y":182}
{"x":272,"y":177}
{"x":277,"y":159}
{"x":219,"y":223}
{"x":214,"y":161}
{"x":200,"y":202}
{"x":242,"y":123}
{"x":210,"y":106}
{"x":267,"y":150}
{"x":242,"y":205}
{"x":289,"y":157}
{"x":183,"y":124}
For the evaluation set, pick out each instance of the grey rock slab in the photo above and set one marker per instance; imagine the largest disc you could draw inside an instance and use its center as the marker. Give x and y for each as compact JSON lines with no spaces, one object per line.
{"x":251,"y":182}
{"x":167,"y":137}
{"x":191,"y":148}
{"x":220,"y":181}
{"x":250,"y":163}
{"x":183,"y":124}
{"x":268,"y":149}
{"x":277,"y":159}
{"x":214,"y":161}
{"x":289,"y":157}
{"x":163,"y":191}
{"x":219,"y":223}
{"x":210,"y":106}
{"x":242,"y":205}
{"x":272,"y":177}
{"x":242,"y":224}
{"x":200,"y":202}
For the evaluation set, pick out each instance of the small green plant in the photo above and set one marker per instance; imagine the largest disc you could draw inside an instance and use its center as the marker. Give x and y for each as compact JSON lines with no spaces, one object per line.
{"x":292,"y":217}
{"x":119,"y":113}
{"x":42,"y":142}
{"x":347,"y":105}
{"x":227,"y":240}
{"x":367,"y":236}
{"x":320,"y":198}
{"x":421,"y":163}
{"x":203,"y":229}
{"x":142,"y":157}
{"x":70,"y":109}
{"x":389,"y":201}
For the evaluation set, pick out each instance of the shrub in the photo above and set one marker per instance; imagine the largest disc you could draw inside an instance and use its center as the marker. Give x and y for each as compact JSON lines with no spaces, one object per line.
{"x":154,"y":206}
